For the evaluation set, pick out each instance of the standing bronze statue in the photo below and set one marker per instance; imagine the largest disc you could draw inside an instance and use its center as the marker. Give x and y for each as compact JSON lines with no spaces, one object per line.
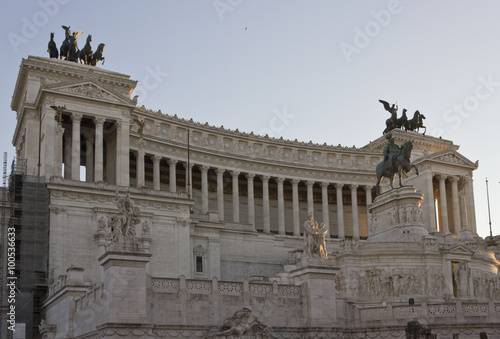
{"x":390,"y":123}
{"x":396,"y":161}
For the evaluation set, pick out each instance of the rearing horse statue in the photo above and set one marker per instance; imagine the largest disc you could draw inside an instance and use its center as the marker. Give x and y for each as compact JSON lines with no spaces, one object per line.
{"x":401,"y":163}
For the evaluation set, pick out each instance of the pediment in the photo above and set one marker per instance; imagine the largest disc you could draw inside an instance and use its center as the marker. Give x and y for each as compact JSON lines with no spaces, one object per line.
{"x":460,"y":250}
{"x":89,"y":89}
{"x":452,"y":157}
{"x":199,"y":249}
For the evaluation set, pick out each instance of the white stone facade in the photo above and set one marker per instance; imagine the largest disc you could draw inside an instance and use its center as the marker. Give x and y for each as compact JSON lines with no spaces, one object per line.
{"x":225,"y":223}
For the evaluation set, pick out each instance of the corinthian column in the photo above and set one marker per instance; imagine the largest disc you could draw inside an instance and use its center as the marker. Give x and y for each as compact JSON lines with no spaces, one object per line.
{"x":140,"y":167}
{"x":75,"y":147}
{"x":456,"y":204}
{"x":58,"y":151}
{"x":99,"y":158}
{"x":443,"y":205}
{"x":340,"y":211}
{"x":368,"y":190}
{"x":281,"y":206}
{"x":310,"y":201}
{"x":236,"y":196}
{"x":324,"y":201}
{"x":355,"y":217}
{"x":172,"y":175}
{"x":251,"y":202}
{"x":156,"y":171}
{"x":220,"y":193}
{"x":204,"y":189}
{"x":265,"y":204}
{"x":295,"y":206}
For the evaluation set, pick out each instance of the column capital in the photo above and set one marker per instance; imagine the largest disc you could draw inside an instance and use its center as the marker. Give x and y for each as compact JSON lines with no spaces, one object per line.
{"x":309,"y":183}
{"x":118,"y":123}
{"x":156,"y":158}
{"x":325,"y":184}
{"x":454,"y":179}
{"x":265,"y":178}
{"x":185,"y":164}
{"x":368,"y":188}
{"x":220,"y":171}
{"x":441,"y":177}
{"x":338,"y":186}
{"x":280,"y":181}
{"x":234,"y":173}
{"x":76,"y":117}
{"x":99,"y":121}
{"x":295,"y":182}
{"x":172,"y":162}
{"x":353,"y":187}
{"x":250,"y":176}
{"x":204,"y":168}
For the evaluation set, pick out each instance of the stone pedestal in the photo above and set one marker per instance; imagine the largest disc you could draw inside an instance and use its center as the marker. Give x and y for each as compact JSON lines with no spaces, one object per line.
{"x":125,"y":282}
{"x":397,"y":216}
{"x":319,"y":277}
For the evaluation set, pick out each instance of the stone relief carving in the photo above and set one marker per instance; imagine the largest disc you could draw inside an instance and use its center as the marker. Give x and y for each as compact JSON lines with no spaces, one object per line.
{"x":392,"y":216}
{"x":452,"y":159}
{"x":89,"y":90}
{"x":349,"y":245}
{"x":395,"y":282}
{"x":242,"y":323}
{"x":486,"y":286}
{"x":57,"y":209}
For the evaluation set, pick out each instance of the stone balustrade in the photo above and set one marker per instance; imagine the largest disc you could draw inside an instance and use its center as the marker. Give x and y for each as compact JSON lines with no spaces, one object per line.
{"x":459,"y":311}
{"x":167,"y":285}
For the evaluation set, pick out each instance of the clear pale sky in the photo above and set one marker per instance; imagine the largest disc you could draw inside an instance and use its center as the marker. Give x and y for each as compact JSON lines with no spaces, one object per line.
{"x":319,"y":65}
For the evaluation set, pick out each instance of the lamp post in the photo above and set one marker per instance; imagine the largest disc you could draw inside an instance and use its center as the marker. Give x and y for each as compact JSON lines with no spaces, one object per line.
{"x":489,"y":214}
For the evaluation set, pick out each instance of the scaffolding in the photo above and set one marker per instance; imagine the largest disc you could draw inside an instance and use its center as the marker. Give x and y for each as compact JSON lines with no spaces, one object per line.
{"x":29,"y":206}
{"x":3,"y":249}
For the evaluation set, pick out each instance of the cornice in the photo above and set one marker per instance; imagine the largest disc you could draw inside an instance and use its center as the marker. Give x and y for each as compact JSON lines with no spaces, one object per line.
{"x":143,"y":112}
{"x":448,"y":157}
{"x":274,"y":168}
{"x":420,"y":141}
{"x":63,"y":69}
{"x":90,"y":89}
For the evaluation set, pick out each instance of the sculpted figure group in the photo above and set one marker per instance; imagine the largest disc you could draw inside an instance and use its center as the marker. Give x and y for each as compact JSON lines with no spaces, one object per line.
{"x":69,"y":49}
{"x":413,"y":124}
{"x":242,"y":322}
{"x":396,"y":161}
{"x":314,"y":238}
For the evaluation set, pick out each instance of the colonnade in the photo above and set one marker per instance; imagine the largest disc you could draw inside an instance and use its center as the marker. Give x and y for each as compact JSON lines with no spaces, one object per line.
{"x":112,"y":167}
{"x":236,"y":179}
{"x":91,"y":137}
{"x":452,"y":213}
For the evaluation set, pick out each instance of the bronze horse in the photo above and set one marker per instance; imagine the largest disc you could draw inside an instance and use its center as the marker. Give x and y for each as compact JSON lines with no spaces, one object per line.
{"x":401,"y":164}
{"x":97,"y":56}
{"x":64,"y":50}
{"x":86,"y":51}
{"x":52,"y":48}
{"x":415,"y":123}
